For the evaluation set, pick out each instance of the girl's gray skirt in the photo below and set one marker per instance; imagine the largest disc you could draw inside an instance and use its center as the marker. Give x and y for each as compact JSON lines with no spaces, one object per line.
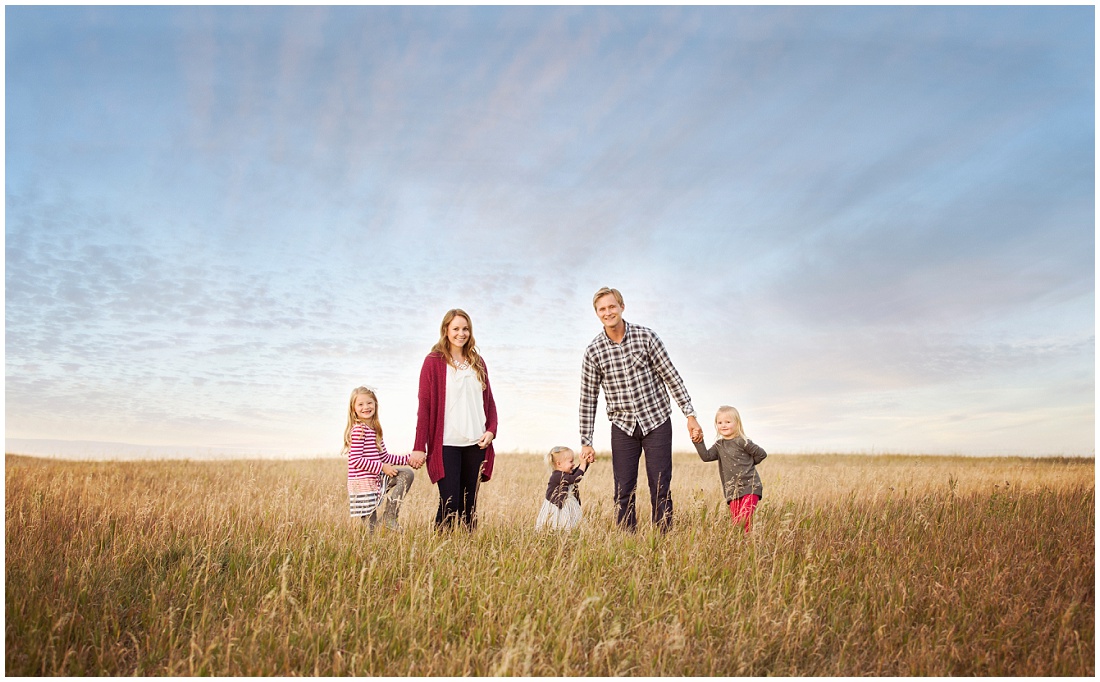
{"x":364,"y":504}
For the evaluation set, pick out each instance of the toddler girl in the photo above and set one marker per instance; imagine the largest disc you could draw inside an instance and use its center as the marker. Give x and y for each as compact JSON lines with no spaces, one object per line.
{"x":368,"y":460}
{"x":737,"y":459}
{"x":561,"y":510}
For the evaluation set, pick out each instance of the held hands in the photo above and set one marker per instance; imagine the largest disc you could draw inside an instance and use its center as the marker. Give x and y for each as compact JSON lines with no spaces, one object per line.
{"x":588,"y":454}
{"x":694,"y":430}
{"x":485,"y":439}
{"x":417,"y":459}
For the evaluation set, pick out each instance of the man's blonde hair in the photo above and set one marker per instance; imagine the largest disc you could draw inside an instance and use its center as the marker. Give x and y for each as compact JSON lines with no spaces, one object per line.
{"x":604,"y":292}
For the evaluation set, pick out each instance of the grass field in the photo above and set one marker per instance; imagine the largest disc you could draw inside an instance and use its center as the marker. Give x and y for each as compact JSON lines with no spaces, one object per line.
{"x":858,"y":565}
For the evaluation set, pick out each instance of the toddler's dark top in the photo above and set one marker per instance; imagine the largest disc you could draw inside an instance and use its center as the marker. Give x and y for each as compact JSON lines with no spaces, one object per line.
{"x":557,"y":490}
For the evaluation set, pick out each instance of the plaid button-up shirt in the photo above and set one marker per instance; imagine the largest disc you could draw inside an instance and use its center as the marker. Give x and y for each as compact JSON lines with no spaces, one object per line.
{"x":633,"y":375}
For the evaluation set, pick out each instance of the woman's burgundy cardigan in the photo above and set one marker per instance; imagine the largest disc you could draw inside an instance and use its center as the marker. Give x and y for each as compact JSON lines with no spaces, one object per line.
{"x":429,"y":416}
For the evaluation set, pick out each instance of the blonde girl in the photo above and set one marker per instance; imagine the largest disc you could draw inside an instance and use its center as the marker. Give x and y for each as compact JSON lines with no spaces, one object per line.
{"x":561,"y":510}
{"x":737,"y":458}
{"x":368,"y":461}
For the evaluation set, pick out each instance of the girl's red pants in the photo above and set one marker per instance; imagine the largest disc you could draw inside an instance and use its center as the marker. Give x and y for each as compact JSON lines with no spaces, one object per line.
{"x":741,"y":510}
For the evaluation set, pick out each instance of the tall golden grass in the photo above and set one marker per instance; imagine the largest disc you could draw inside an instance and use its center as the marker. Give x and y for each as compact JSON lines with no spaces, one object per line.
{"x":857,"y":565}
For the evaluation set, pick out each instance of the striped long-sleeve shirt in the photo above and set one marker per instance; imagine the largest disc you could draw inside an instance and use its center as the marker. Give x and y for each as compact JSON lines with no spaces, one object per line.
{"x":365,"y":460}
{"x":633,"y":375}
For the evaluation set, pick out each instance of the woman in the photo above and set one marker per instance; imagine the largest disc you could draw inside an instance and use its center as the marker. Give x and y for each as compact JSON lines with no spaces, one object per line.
{"x":457,"y":420}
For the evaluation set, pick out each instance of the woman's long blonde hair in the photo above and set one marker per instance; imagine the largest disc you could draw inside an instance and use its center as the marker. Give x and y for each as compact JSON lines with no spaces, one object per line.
{"x":740,"y":432}
{"x":469,"y":351}
{"x":354,"y":419}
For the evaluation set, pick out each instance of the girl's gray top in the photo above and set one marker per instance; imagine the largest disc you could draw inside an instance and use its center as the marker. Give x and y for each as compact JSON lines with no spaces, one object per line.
{"x":737,"y":460}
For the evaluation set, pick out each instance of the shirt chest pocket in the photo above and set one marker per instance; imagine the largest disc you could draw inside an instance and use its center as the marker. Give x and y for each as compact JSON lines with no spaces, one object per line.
{"x":637,"y":361}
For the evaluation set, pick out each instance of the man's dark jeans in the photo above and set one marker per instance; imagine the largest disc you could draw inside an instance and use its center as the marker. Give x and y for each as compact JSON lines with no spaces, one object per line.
{"x":626,"y":451}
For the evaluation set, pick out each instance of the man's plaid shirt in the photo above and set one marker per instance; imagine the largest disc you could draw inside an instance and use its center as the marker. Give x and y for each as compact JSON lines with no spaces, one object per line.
{"x":633,"y":375}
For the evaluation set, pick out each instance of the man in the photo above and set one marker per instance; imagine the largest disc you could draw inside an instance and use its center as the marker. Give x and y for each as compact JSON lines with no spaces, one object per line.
{"x":631,"y":364}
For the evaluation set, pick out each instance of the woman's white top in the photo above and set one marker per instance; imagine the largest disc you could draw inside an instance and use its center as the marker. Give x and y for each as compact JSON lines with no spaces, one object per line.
{"x":464,"y":414}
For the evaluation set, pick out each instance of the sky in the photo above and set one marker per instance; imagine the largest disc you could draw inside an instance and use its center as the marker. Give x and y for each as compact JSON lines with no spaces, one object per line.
{"x":870,"y":229}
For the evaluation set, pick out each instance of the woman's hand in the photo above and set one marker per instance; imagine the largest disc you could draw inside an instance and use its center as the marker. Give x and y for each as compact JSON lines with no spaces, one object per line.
{"x":485,"y":439}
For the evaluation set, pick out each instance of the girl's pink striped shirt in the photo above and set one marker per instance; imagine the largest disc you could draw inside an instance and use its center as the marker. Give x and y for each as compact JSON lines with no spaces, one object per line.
{"x":365,"y":460}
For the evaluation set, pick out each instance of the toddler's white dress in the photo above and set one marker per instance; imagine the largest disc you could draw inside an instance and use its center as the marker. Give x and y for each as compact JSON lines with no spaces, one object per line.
{"x":561,"y":510}
{"x":565,"y":518}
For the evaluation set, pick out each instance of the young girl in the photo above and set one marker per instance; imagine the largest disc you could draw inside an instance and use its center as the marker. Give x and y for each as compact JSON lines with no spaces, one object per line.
{"x":561,"y":510}
{"x":737,"y":459}
{"x":368,"y":459}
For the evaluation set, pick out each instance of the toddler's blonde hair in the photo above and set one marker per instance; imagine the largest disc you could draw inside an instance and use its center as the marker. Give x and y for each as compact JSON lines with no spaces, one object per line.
{"x":551,"y":457}
{"x":739,"y":430}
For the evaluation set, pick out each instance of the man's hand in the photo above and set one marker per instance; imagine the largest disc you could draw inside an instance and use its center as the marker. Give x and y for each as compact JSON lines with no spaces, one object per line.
{"x":588,"y":454}
{"x":694,"y":430}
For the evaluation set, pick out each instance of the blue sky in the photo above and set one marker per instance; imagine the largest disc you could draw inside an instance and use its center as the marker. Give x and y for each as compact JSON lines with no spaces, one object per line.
{"x":870,"y":229}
